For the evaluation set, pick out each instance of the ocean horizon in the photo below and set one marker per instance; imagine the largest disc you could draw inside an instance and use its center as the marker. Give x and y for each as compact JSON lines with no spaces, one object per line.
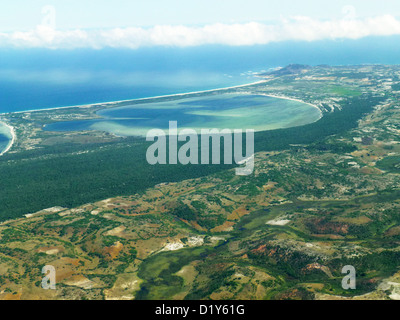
{"x":43,"y":78}
{"x":32,"y":79}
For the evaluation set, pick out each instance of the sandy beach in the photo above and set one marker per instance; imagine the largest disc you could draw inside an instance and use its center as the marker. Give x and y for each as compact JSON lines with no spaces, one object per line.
{"x":13,"y":137}
{"x":291,"y":99}
{"x":109,"y":103}
{"x":12,"y":130}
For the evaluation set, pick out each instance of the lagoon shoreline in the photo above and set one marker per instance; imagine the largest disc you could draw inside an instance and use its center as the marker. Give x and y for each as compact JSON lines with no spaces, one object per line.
{"x":292,"y":99}
{"x":112,"y":103}
{"x":90,"y":105}
{"x":109,"y":103}
{"x":13,"y":137}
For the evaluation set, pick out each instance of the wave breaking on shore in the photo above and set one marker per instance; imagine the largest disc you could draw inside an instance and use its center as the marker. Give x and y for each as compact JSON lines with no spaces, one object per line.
{"x":11,"y":134}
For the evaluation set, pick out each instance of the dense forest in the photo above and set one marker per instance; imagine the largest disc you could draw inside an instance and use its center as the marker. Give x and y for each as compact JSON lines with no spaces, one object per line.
{"x":63,"y":175}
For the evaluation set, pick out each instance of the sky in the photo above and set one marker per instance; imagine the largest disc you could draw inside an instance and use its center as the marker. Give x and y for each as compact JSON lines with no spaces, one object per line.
{"x":133,"y":24}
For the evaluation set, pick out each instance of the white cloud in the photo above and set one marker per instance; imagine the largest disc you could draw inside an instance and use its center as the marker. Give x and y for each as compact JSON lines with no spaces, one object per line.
{"x":296,"y":28}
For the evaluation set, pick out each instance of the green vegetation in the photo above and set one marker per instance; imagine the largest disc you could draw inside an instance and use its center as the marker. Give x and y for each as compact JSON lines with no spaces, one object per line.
{"x":158,"y":273}
{"x":343,"y":91}
{"x":183,"y":211}
{"x":317,"y":201}
{"x":330,"y":124}
{"x":391,"y":164}
{"x":57,"y":176}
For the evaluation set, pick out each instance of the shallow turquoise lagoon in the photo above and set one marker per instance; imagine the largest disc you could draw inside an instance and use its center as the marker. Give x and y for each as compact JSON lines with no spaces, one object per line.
{"x":223,"y":111}
{"x":5,"y":137}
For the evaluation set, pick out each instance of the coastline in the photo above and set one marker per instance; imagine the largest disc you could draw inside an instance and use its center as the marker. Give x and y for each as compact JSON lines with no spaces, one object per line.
{"x":110,"y":103}
{"x":134,"y":100}
{"x":292,"y":99}
{"x":13,"y":137}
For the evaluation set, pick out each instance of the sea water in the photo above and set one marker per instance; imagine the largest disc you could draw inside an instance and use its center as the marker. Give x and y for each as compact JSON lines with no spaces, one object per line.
{"x":224,"y":111}
{"x":40,"y":79}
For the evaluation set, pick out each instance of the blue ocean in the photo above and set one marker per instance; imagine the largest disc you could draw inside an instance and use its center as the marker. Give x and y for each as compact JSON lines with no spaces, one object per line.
{"x":39,"y":79}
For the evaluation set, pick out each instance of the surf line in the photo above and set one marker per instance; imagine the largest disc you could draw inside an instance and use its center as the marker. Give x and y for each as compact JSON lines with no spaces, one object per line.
{"x":13,"y":138}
